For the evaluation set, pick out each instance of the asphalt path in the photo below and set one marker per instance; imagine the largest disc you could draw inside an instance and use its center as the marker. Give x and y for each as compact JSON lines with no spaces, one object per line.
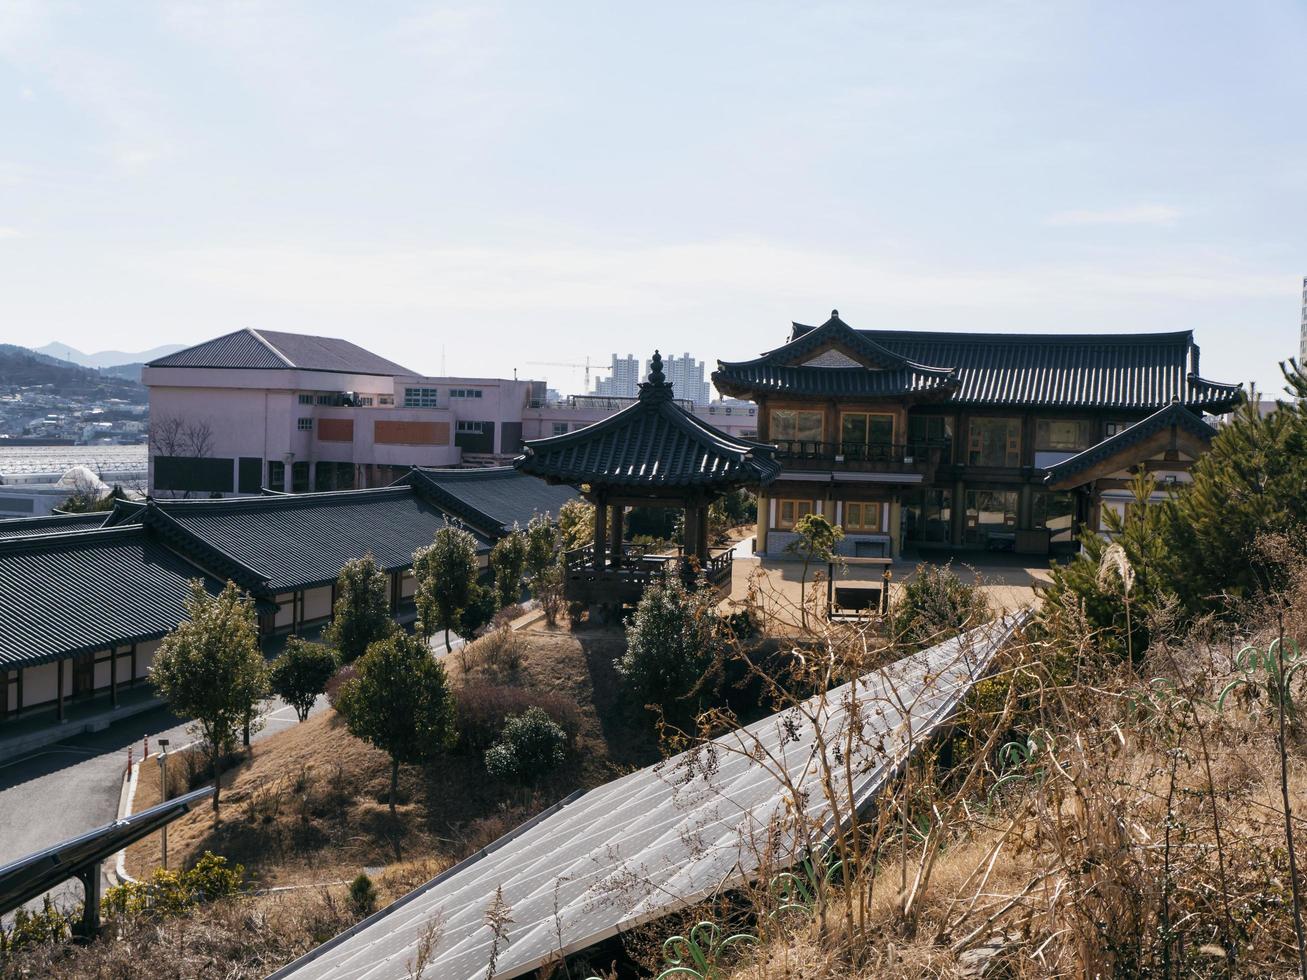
{"x":66,"y":789}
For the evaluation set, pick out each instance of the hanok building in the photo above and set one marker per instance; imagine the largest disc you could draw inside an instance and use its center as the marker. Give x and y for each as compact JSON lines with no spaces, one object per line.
{"x":653,"y":453}
{"x":87,"y":598}
{"x":1006,"y":442}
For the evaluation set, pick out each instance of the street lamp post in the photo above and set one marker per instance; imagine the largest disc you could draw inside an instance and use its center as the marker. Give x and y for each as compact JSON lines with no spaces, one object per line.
{"x":163,"y":792}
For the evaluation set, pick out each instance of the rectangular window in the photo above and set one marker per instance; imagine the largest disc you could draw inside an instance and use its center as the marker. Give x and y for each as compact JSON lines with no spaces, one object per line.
{"x":276,"y":475}
{"x":464,"y":392}
{"x":994,"y":442}
{"x":788,"y":512}
{"x":385,"y":399}
{"x":477,"y":427}
{"x":306,"y":399}
{"x":299,"y":478}
{"x":788,"y":425}
{"x":930,"y":432}
{"x":560,"y":428}
{"x":1063,"y":435}
{"x":420,"y":398}
{"x":364,"y":401}
{"x":304,"y":424}
{"x":862,"y":516}
{"x":1112,"y":428}
{"x":866,"y":435}
{"x":992,"y":519}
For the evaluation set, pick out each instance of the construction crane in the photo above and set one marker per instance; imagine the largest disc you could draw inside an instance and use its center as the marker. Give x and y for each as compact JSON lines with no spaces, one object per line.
{"x":571,"y":364}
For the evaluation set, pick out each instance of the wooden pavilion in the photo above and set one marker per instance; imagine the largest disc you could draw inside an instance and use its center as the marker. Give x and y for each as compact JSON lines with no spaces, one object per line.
{"x":653,"y":453}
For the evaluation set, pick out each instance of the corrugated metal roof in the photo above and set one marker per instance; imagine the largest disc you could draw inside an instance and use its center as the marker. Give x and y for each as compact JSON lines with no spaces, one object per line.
{"x":493,"y":499}
{"x":1112,"y":371}
{"x":1161,"y":420}
{"x":668,"y":836}
{"x":295,"y":541}
{"x":68,"y":593}
{"x":652,"y":443}
{"x":23,"y":527}
{"x":270,"y":349}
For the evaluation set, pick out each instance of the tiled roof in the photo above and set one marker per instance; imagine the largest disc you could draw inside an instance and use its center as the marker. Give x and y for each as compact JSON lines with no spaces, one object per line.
{"x":272,"y":349}
{"x":492,"y":499}
{"x":68,"y":593}
{"x":1109,"y":371}
{"x":652,"y":443}
{"x":22,"y":527}
{"x":1174,"y":414}
{"x":282,"y":542}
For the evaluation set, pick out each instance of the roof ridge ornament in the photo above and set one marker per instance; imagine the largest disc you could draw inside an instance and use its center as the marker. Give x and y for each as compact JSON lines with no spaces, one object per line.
{"x":657,"y":388}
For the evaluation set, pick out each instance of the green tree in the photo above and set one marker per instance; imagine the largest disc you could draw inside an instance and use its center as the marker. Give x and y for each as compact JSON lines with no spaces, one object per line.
{"x":816,"y":541}
{"x":1115,"y":583}
{"x":531,"y":745}
{"x":301,"y":673}
{"x":544,"y":573}
{"x":1253,"y":482}
{"x":447,"y":588}
{"x":210,"y":669}
{"x":508,"y":562}
{"x":361,"y":614}
{"x":671,"y":646}
{"x":576,"y":524}
{"x":400,"y":702}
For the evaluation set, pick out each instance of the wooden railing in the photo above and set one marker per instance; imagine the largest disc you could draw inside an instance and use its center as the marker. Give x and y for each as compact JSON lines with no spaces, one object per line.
{"x":638,"y":568}
{"x":864,"y":455}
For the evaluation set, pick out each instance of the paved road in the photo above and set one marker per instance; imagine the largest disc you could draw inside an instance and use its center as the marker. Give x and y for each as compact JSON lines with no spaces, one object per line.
{"x":64,"y":790}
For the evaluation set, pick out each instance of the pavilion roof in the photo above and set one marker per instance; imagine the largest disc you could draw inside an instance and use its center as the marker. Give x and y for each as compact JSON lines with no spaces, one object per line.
{"x":653,"y":443}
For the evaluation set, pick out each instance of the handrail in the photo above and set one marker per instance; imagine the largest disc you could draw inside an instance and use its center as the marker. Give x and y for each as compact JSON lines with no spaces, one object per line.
{"x":865,"y":452}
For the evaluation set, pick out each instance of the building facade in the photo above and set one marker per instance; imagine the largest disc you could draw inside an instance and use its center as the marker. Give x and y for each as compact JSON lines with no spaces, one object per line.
{"x":916,"y":440}
{"x":623,"y":379}
{"x":687,"y":379}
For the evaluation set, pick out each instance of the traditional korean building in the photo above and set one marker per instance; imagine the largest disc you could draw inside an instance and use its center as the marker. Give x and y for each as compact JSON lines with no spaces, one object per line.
{"x":653,"y":453}
{"x":1005,"y":442}
{"x":87,"y":598}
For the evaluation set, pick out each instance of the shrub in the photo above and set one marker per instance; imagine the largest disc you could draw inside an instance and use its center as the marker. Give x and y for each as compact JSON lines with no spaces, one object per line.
{"x":934,"y":605}
{"x":671,"y":645}
{"x":484,"y":709}
{"x":508,"y":561}
{"x":28,"y":929}
{"x":498,"y":652}
{"x":169,"y":893}
{"x":301,"y":673}
{"x":531,"y":745}
{"x":362,"y":896}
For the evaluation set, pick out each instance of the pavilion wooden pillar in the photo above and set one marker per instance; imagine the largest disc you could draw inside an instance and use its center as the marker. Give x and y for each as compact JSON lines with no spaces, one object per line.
{"x":601,"y":531}
{"x":615,"y":520}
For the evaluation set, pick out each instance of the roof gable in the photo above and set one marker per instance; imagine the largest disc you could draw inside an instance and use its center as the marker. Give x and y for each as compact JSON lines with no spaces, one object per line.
{"x":271,"y":349}
{"x":1131,"y":445}
{"x":491,"y":499}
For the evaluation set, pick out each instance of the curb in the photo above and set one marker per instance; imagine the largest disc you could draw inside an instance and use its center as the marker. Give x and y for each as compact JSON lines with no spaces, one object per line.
{"x":117,"y":872}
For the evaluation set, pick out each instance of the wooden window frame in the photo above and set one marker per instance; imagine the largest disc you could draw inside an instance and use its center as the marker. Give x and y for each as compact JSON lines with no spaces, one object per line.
{"x":788,"y":524}
{"x":796,"y":412}
{"x":868,"y":416}
{"x":862,"y":527}
{"x":1013,"y":446}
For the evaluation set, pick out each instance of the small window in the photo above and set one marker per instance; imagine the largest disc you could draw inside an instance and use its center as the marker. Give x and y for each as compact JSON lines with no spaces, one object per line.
{"x":306,"y":399}
{"x":788,"y":512}
{"x":471,"y":427}
{"x":1062,"y":435}
{"x":385,"y":399}
{"x":365,"y":401}
{"x":788,"y":425}
{"x":862,"y":516}
{"x":305,"y":425}
{"x":560,"y":428}
{"x":420,"y":398}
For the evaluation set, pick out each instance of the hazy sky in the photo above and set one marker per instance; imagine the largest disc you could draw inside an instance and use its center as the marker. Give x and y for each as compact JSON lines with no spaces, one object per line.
{"x":510,"y":183}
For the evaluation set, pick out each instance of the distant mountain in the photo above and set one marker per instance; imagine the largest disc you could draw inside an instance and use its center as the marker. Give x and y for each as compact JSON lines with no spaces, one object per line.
{"x":22,"y":367}
{"x":105,"y":358}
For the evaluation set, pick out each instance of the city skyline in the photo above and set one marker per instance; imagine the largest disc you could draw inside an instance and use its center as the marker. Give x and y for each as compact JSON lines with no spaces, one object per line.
{"x":426,"y":179}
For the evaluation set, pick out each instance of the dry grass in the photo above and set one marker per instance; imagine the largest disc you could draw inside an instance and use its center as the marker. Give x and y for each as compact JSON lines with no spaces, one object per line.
{"x":310,"y":805}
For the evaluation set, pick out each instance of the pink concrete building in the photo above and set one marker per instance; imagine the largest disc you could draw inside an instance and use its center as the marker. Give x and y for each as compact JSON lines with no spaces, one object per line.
{"x":261,"y":409}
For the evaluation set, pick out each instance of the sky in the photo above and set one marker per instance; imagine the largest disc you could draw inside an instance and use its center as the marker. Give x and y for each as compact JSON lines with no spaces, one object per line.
{"x":475,"y":189}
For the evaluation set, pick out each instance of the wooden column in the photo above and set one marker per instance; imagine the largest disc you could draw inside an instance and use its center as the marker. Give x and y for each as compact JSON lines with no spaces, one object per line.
{"x":59,"y":691}
{"x":689,"y":530}
{"x":701,"y":548}
{"x":601,"y":532}
{"x":615,"y":520}
{"x":113,"y":676}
